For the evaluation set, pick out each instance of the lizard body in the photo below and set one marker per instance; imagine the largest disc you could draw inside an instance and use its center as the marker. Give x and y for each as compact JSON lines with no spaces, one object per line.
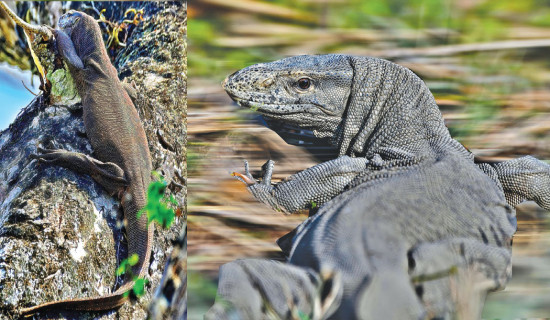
{"x":122,"y":163}
{"x":402,"y":202}
{"x":396,"y":242}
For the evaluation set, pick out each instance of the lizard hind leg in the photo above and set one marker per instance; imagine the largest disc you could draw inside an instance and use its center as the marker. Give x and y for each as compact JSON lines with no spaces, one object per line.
{"x":262,"y":289}
{"x":452,"y":276}
{"x":109,"y":175}
{"x":525,"y":178}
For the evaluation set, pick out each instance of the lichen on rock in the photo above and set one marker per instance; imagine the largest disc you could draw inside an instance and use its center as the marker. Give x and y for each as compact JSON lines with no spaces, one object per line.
{"x":63,"y":90}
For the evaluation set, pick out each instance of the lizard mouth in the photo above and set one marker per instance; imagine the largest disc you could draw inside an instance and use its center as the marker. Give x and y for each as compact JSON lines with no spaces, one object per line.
{"x":268,"y":109}
{"x":279,"y":109}
{"x":276,"y":109}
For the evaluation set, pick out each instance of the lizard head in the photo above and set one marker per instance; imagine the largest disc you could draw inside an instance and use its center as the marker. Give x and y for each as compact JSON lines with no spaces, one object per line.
{"x":310,"y":92}
{"x":69,"y":20}
{"x":360,"y":106}
{"x":83,"y":31}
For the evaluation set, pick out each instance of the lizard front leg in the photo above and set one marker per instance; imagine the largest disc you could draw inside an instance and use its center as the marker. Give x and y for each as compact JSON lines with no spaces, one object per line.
{"x":311,"y":187}
{"x":525,"y":178}
{"x":109,"y":175}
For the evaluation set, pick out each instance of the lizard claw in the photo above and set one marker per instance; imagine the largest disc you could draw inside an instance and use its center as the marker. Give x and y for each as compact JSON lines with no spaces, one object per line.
{"x":247,"y":170}
{"x":41,"y":155}
{"x":35,"y":156}
{"x":246,"y":178}
{"x":267,"y":172}
{"x":243,"y":178}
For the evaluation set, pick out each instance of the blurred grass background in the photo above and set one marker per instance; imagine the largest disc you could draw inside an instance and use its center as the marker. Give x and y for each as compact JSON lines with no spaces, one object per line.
{"x":486,"y":61}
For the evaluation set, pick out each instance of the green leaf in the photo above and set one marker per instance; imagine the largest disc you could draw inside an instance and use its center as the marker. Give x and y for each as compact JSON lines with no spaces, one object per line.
{"x":124,"y":266}
{"x":157,"y":207}
{"x":156,"y":175}
{"x":121,"y":269}
{"x":133,"y":259}
{"x":155,"y":191}
{"x":139,"y":286}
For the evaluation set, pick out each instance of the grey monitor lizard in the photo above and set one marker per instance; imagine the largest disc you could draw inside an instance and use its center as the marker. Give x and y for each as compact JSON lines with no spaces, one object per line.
{"x":121,"y":162}
{"x":370,"y":111}
{"x":407,"y":213}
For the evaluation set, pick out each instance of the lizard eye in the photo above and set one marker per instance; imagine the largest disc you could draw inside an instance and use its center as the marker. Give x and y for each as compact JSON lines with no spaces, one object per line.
{"x":304,"y":83}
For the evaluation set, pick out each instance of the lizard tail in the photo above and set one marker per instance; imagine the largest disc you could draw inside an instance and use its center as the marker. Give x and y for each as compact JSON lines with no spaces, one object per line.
{"x":106,"y":302}
{"x":85,"y":304}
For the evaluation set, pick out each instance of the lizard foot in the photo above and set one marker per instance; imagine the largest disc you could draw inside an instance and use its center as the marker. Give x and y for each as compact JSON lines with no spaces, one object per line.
{"x":248,"y":179}
{"x":525,"y":178}
{"x":107,"y":174}
{"x":262,"y":190}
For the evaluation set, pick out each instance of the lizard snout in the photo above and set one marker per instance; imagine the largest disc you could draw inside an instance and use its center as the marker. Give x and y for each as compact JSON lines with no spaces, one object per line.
{"x":226,"y":80}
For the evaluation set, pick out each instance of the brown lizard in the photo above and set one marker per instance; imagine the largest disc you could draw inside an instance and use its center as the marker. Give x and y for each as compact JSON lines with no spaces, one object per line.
{"x":122,"y":163}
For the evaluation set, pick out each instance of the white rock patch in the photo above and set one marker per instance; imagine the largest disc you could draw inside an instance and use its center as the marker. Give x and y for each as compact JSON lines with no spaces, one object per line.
{"x":78,"y":253}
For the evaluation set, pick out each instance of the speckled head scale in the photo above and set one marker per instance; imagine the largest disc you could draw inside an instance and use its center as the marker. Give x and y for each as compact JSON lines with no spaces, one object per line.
{"x":310,"y":92}
{"x":69,"y":20}
{"x":83,"y":30}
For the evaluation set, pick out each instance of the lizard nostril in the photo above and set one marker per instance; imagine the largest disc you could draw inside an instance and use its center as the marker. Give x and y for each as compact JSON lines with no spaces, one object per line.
{"x":229,"y":77}
{"x":224,"y":82}
{"x":267,"y":82}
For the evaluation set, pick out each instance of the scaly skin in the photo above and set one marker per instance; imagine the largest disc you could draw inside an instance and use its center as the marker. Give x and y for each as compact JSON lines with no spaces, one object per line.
{"x":122,"y":163}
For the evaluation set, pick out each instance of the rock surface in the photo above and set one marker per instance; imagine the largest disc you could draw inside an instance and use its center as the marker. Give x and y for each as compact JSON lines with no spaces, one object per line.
{"x":60,"y":234}
{"x":170,"y":301}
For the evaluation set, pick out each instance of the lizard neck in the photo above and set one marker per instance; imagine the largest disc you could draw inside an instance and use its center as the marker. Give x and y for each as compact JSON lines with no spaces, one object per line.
{"x":90,"y":48}
{"x":391,"y":112}
{"x":88,"y":41}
